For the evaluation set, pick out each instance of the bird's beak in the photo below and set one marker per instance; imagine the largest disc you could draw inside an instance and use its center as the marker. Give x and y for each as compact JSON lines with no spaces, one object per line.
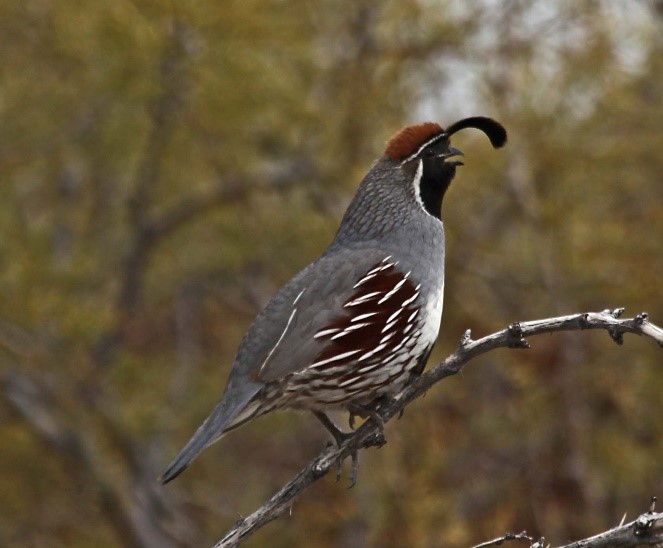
{"x":451,"y":152}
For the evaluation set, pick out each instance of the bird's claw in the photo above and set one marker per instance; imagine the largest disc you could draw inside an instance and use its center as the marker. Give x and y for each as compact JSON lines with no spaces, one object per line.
{"x":354,"y":468}
{"x":340,"y":437}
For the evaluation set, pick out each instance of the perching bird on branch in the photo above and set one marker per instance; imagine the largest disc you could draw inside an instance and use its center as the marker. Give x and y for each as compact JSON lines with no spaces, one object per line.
{"x":359,"y":322}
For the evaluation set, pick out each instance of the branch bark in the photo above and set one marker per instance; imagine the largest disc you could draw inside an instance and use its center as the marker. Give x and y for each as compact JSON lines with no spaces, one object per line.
{"x":369,"y":435}
{"x":646,"y":530}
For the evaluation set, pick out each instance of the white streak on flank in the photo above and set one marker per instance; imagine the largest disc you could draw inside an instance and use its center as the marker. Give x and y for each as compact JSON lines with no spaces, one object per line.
{"x":395,"y":289}
{"x":413,"y":316}
{"x":362,"y":299}
{"x":325,"y":332}
{"x":389,"y":326}
{"x":368,"y":276}
{"x":292,"y":315}
{"x":362,"y":317}
{"x":374,"y":351}
{"x":407,"y":329}
{"x":422,"y":147}
{"x":349,"y":330}
{"x":379,"y":267}
{"x":410,"y":300}
{"x":387,"y":266}
{"x":387,"y":337}
{"x":297,"y":297}
{"x":349,"y":381}
{"x":400,"y":345}
{"x":394,"y":315}
{"x":334,"y":358}
{"x":328,"y":373}
{"x":369,"y":368}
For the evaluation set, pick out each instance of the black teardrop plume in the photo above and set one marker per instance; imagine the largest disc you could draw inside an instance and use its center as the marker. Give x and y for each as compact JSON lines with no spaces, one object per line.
{"x":494,"y":130}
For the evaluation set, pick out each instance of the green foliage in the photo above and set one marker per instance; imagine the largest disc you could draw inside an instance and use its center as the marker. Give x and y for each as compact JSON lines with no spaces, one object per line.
{"x":165,"y":167}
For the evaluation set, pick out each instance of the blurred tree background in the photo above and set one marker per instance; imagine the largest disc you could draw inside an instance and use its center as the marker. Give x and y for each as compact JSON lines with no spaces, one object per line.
{"x":165,"y":167}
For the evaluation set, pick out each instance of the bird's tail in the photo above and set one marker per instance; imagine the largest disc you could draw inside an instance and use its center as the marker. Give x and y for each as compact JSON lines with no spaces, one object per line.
{"x":224,"y":418}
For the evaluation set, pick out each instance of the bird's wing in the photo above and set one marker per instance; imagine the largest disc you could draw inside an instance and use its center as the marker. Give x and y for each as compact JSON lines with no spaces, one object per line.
{"x":338,"y":309}
{"x":344,"y":307}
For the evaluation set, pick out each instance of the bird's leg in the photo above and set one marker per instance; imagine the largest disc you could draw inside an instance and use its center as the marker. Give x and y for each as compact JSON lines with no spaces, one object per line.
{"x":364,"y":412}
{"x":369,"y":411}
{"x":340,"y":436}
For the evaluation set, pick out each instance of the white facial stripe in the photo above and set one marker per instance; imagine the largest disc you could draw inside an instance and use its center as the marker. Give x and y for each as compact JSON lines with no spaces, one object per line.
{"x":427,"y":143}
{"x":416,"y":184}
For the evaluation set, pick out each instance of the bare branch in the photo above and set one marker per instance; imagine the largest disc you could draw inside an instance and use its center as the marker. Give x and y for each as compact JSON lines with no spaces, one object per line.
{"x":647,"y":530}
{"x":369,"y":435}
{"x":509,"y":537}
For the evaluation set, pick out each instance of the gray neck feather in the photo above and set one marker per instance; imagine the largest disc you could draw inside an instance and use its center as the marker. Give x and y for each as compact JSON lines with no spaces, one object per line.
{"x":385,"y":209}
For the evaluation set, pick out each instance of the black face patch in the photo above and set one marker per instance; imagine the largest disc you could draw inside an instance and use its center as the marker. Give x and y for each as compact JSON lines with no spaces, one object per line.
{"x":436,"y":176}
{"x":437,"y":172}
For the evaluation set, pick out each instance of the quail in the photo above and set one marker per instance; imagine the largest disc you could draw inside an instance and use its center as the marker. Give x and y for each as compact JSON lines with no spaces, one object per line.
{"x":359,"y":322}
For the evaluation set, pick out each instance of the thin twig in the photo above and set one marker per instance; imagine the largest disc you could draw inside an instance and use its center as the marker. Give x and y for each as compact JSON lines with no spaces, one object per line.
{"x":368,"y":435}
{"x":509,"y":537}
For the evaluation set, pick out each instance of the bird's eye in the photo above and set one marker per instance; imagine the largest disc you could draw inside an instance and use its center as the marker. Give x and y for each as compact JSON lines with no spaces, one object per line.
{"x":429,"y":153}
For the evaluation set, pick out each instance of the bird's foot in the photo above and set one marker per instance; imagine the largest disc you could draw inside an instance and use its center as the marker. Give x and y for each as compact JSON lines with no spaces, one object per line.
{"x":340,"y":437}
{"x":364,"y":412}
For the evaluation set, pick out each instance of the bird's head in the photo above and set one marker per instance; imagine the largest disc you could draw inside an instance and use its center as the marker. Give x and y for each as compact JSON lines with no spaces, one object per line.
{"x":412,"y":177}
{"x":424,"y":153}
